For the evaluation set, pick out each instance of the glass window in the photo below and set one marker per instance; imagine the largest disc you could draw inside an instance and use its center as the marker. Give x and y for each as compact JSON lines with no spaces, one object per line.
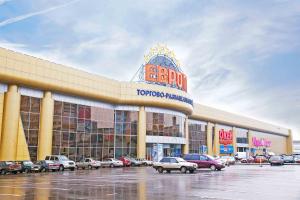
{"x":159,"y":124}
{"x":90,"y":131}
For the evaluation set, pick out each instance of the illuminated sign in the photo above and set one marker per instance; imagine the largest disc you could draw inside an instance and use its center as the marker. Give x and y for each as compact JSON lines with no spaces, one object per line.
{"x":161,"y":67}
{"x":225,"y":137}
{"x":226,"y":149}
{"x":261,"y":142}
{"x":158,"y":94}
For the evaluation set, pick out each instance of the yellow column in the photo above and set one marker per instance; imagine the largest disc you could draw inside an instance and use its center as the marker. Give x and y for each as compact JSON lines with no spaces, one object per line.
{"x":46,"y":125}
{"x":234,"y":132}
{"x":216,"y":141}
{"x":10,"y":124}
{"x":141,"y":137}
{"x":209,"y":138}
{"x":1,"y":112}
{"x":250,"y":140}
{"x":289,"y":143}
{"x":186,"y":133}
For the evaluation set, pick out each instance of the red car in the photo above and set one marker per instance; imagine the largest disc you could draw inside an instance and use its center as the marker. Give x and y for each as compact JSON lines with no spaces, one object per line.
{"x":204,"y":161}
{"x":260,"y":159}
{"x":10,"y":167}
{"x":126,"y":161}
{"x":248,"y":160}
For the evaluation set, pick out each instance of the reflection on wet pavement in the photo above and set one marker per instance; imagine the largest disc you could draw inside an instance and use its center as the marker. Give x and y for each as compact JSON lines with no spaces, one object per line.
{"x":235,"y":182}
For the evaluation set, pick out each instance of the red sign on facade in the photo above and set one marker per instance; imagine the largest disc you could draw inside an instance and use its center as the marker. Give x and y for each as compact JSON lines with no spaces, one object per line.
{"x":225,"y":137}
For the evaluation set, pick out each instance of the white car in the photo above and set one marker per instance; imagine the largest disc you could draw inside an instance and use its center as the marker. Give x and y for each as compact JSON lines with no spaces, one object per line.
{"x":111,"y":162}
{"x":88,"y":163}
{"x":63,"y":161}
{"x":173,"y":163}
{"x":144,"y":161}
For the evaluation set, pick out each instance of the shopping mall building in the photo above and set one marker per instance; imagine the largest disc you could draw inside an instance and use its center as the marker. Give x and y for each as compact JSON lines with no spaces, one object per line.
{"x":47,"y":108}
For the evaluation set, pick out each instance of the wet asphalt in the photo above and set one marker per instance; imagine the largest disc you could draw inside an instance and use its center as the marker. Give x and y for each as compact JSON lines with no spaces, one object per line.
{"x":233,"y":183}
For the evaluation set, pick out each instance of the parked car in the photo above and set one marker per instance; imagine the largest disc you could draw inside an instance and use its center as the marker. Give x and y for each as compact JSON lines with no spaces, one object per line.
{"x":111,"y":162}
{"x":64,"y":162}
{"x":173,"y":163}
{"x":288,"y":159}
{"x":250,"y":159}
{"x":260,"y":159}
{"x":227,"y":160}
{"x":276,"y":160}
{"x":26,"y":166}
{"x":145,"y":162}
{"x":240,"y":155}
{"x":47,"y":165}
{"x":126,"y":161}
{"x":297,"y":158}
{"x":204,"y":161}
{"x":134,"y":162}
{"x":89,"y":163}
{"x":10,"y":167}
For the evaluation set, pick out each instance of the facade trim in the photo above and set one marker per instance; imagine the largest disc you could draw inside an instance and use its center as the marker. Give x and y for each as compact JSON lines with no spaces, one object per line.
{"x":165,"y":139}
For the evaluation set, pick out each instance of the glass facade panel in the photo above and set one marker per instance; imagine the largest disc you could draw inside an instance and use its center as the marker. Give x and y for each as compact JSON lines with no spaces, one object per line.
{"x":30,"y":116}
{"x":197,"y":137}
{"x":160,"y":124}
{"x":84,"y":131}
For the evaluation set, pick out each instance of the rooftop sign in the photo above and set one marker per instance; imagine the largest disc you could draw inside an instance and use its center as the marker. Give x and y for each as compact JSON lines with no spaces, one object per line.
{"x":162,"y":68}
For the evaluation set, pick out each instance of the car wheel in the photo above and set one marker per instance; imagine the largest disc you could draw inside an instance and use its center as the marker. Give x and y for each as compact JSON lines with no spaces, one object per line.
{"x":183,"y":169}
{"x":15,"y":172}
{"x":83,"y":168}
{"x":213,"y":168}
{"x":97,"y":167}
{"x":160,"y":170}
{"x":61,"y":168}
{"x":191,"y":171}
{"x":111,"y":165}
{"x":2,"y":172}
{"x":168,"y":171}
{"x":53,"y":170}
{"x":72,"y":169}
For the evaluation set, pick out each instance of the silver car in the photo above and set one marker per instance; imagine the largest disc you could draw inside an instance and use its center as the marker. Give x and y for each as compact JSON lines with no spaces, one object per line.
{"x":111,"y":162}
{"x":173,"y":163}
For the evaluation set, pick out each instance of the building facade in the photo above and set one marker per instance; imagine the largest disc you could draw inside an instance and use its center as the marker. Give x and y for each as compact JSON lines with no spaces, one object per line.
{"x":47,"y":108}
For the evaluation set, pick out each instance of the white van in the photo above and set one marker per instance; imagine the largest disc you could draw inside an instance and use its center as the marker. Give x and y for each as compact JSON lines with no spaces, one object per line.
{"x":240,"y":155}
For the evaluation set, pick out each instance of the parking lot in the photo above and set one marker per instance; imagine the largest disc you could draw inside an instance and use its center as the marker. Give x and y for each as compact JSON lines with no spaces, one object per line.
{"x":235,"y":182}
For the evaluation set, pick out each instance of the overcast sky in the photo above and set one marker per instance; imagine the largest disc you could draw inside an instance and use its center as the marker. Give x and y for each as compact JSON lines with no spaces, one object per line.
{"x":239,"y":56}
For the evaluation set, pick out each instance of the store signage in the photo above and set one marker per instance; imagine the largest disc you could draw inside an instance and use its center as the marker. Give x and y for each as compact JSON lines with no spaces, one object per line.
{"x":161,"y":67}
{"x":225,"y":137}
{"x":261,"y":142}
{"x":163,"y":95}
{"x":226,"y":149}
{"x":164,"y":75}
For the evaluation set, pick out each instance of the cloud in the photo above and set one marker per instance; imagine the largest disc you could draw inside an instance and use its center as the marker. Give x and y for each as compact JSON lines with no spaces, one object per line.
{"x":32,"y":14}
{"x":224,"y":47}
{"x":4,"y":1}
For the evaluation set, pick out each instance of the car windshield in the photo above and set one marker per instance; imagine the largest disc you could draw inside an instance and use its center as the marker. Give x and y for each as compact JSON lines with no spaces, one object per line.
{"x":28,"y":163}
{"x":64,"y":158}
{"x":9,"y":163}
{"x":288,"y":157}
{"x":210,"y":157}
{"x":180,"y":160}
{"x":275,"y":157}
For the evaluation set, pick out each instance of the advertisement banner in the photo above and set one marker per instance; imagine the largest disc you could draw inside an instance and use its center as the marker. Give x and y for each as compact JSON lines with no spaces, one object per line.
{"x":226,"y":149}
{"x":160,"y":152}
